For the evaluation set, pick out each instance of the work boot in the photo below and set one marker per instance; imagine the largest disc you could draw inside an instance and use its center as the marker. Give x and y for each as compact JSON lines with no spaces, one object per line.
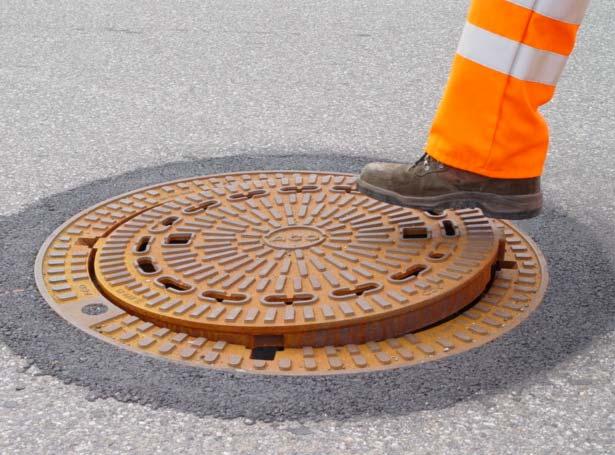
{"x":431,"y":185}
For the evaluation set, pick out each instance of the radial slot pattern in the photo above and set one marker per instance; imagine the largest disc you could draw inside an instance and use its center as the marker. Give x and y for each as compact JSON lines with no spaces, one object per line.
{"x":287,"y":273}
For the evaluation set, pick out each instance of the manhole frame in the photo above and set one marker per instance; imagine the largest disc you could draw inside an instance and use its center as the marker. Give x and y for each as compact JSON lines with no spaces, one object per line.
{"x":42,"y":287}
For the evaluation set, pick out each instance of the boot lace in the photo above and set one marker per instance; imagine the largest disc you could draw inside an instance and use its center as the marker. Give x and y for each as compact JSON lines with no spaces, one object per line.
{"x":426,"y":162}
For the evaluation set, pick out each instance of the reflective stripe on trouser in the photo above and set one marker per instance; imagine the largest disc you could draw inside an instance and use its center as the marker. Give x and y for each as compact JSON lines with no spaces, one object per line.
{"x":509,"y":59}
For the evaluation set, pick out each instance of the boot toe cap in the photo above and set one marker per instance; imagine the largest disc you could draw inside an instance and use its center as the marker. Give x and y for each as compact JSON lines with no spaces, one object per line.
{"x":378,"y":174}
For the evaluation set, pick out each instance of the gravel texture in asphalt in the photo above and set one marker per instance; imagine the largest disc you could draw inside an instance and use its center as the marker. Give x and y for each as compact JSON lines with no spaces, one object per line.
{"x":100,"y":98}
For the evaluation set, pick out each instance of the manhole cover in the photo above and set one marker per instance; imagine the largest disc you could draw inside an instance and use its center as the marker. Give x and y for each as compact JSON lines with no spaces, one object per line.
{"x":287,"y":273}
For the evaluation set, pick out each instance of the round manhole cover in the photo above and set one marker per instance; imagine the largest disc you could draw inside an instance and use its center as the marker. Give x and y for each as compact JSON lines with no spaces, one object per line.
{"x":287,"y":273}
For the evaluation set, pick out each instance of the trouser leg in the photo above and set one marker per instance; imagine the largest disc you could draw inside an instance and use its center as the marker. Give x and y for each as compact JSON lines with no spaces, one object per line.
{"x":508,"y":62}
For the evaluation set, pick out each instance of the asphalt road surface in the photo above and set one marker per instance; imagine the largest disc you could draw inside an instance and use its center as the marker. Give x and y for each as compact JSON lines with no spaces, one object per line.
{"x":97,"y":98}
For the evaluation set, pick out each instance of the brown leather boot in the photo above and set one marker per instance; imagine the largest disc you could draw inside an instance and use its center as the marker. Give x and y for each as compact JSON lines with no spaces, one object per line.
{"x":431,"y":185}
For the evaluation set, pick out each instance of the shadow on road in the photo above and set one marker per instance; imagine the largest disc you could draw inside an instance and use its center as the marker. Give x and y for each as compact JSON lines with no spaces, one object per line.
{"x":579,"y":306}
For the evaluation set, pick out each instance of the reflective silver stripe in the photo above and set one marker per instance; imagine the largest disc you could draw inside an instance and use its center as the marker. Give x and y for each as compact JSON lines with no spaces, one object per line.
{"x":510,"y":57}
{"x":571,"y":11}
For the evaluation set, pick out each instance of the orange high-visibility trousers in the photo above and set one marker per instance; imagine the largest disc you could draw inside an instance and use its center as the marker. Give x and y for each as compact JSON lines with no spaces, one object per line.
{"x":509,"y":58}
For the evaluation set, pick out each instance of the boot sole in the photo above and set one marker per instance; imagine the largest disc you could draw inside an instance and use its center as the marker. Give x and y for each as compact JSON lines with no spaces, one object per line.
{"x":517,"y":207}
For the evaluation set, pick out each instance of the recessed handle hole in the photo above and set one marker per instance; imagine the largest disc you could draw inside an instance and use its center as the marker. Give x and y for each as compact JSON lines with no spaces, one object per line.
{"x":169,"y":221}
{"x":225,"y":297}
{"x":283,"y":299}
{"x":200,"y":207}
{"x":174,"y":285}
{"x":344,"y":189}
{"x":299,"y":189}
{"x":357,"y":291}
{"x":411,"y":272}
{"x":247,"y":195}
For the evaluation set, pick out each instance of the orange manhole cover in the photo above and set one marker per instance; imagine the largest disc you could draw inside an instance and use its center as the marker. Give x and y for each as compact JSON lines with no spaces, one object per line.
{"x":287,"y":273}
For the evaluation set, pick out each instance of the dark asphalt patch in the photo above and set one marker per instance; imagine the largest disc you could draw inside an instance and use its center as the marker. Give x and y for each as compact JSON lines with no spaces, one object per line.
{"x":578,"y":307}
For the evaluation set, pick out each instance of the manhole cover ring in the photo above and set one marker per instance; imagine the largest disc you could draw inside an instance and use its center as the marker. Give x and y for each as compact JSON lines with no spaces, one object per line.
{"x":287,"y":272}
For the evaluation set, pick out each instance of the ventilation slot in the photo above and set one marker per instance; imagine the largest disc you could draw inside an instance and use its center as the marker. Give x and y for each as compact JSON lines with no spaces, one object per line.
{"x":87,"y":241}
{"x":408,"y":233}
{"x":503,"y":264}
{"x":146,"y":266}
{"x":178,"y":239}
{"x":436,"y":255}
{"x":165,"y":224}
{"x":434,"y":214}
{"x":265,"y":352}
{"x":449,"y":228}
{"x":143,"y":244}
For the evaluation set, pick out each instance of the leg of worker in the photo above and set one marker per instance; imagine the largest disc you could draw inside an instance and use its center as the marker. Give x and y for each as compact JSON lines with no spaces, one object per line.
{"x":488,"y":141}
{"x":509,"y":59}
